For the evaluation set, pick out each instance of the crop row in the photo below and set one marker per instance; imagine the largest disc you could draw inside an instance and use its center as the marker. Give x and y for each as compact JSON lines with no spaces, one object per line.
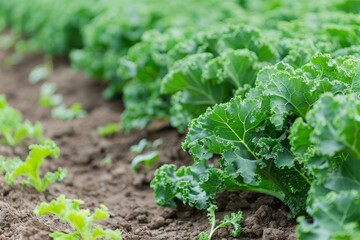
{"x":271,"y":92}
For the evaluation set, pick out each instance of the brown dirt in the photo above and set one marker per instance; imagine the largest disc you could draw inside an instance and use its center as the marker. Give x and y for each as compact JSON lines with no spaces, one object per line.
{"x":127,"y":195}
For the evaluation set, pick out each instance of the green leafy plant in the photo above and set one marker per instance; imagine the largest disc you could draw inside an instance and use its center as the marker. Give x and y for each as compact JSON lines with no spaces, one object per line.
{"x":233,"y":220}
{"x":290,"y":137}
{"x":145,"y":144}
{"x":109,"y":129}
{"x":251,"y":136}
{"x":106,"y":160}
{"x":289,"y":75}
{"x":13,"y":129}
{"x":75,"y":111}
{"x":38,"y":74}
{"x":326,"y":143}
{"x":148,"y":158}
{"x":30,"y":168}
{"x":12,"y":59}
{"x":48,"y":96}
{"x":41,"y":72}
{"x":79,"y":219}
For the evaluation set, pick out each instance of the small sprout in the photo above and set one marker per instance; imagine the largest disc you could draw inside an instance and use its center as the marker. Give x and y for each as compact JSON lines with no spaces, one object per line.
{"x":234,"y":219}
{"x":39,"y":73}
{"x":21,"y":48}
{"x":157,"y":143}
{"x":13,"y":129}
{"x":106,"y":161}
{"x":140,"y":147}
{"x":48,"y":96}
{"x":30,"y":168}
{"x":144,"y":144}
{"x":75,"y":111}
{"x":148,"y":159}
{"x":109,"y":129}
{"x":13,"y":59}
{"x":7,"y":165}
{"x":79,"y":219}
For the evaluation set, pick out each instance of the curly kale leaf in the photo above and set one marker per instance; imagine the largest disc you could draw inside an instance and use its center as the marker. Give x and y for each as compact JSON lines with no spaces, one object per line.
{"x":327,"y":145}
{"x":233,"y":220}
{"x":249,"y":137}
{"x":81,"y":220}
{"x":30,"y":168}
{"x":239,"y":132}
{"x":335,"y":216}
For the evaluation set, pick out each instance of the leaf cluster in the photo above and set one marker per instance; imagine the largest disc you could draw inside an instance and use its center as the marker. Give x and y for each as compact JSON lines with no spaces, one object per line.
{"x":233,"y":220}
{"x":29,"y":170}
{"x":149,"y":158}
{"x":81,"y":220}
{"x":293,"y":136}
{"x":13,"y":128}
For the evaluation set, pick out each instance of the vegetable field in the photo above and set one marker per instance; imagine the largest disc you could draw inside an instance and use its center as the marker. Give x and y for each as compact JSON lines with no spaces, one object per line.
{"x":175,"y":119}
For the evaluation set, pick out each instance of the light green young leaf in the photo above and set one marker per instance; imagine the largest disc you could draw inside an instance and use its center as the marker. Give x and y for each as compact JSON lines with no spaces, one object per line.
{"x":30,"y":168}
{"x":107,"y":160}
{"x":64,"y":236}
{"x":148,"y":159}
{"x":63,"y":113}
{"x":13,"y":59}
{"x":109,"y":129}
{"x":48,"y":96}
{"x":39,"y":73}
{"x":13,"y":129}
{"x":145,"y":144}
{"x":140,"y":147}
{"x":80,"y":219}
{"x":229,"y":220}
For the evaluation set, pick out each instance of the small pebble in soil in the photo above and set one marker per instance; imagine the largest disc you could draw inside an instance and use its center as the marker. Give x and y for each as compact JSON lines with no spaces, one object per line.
{"x":273,"y":234}
{"x":257,"y":229}
{"x":138,"y":180}
{"x":156,"y":223}
{"x":142,"y":218}
{"x":282,"y":223}
{"x":168,"y":212}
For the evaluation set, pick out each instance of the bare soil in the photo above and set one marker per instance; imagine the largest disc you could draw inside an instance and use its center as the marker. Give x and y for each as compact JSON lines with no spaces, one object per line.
{"x":127,"y":195}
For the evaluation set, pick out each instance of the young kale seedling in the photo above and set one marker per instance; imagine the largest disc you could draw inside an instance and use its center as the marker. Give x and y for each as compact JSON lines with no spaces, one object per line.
{"x":233,"y":219}
{"x":75,"y":111}
{"x":148,"y":159}
{"x":106,"y":160}
{"x":43,"y":71}
{"x":109,"y":129}
{"x":79,"y":219}
{"x":13,"y":129}
{"x":30,"y":168}
{"x":48,"y":96}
